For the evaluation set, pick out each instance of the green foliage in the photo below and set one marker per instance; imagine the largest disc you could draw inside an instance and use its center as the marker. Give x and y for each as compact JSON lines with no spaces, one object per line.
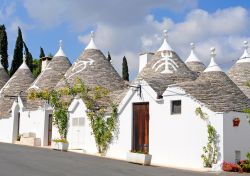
{"x":60,"y":140}
{"x":41,"y":53}
{"x":247,"y":111}
{"x":201,"y":114}
{"x":56,"y":99}
{"x":98,"y":103}
{"x":109,"y":57}
{"x":18,"y":53}
{"x":210,"y":155}
{"x":211,"y":150}
{"x":4,"y":47}
{"x":37,"y":66}
{"x":29,"y":58}
{"x":125,"y":72}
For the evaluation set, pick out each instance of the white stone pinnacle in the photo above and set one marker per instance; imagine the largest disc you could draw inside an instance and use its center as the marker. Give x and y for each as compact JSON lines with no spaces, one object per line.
{"x":91,"y":44}
{"x":24,"y":65}
{"x":1,"y":66}
{"x":192,"y":57}
{"x":213,"y":67}
{"x":60,"y":50}
{"x":165,"y":46}
{"x":245,"y":57}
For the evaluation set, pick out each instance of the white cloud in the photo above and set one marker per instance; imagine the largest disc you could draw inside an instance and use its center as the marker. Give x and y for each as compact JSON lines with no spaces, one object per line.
{"x":128,"y":28}
{"x":82,"y":14}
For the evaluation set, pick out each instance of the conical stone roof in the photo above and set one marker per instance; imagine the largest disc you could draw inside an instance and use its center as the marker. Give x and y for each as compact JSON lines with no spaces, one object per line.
{"x":165,"y":68}
{"x":53,"y":72}
{"x":93,"y":68}
{"x":16,"y":85}
{"x":240,"y":72}
{"x":216,"y":90}
{"x":4,"y":77}
{"x":193,"y":62}
{"x":49,"y":77}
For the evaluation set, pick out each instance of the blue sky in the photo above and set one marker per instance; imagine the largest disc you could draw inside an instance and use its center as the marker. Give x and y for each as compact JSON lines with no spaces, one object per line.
{"x":130,"y":27}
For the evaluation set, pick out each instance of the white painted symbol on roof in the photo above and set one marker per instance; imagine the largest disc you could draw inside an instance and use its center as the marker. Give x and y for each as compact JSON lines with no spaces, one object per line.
{"x":82,"y":65}
{"x":167,"y":61}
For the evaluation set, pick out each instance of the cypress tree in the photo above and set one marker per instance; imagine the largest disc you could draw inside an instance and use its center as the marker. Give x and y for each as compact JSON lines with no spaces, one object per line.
{"x":4,"y":47}
{"x":18,"y":53}
{"x":41,"y":53}
{"x":125,"y":73}
{"x":109,"y":57}
{"x":29,"y":58}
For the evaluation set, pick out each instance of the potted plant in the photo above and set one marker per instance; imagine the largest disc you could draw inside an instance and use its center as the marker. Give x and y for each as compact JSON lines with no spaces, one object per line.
{"x":236,"y":121}
{"x":60,"y":144}
{"x":139,"y":157}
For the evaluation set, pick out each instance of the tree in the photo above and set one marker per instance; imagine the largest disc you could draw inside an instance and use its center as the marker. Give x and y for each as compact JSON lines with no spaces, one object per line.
{"x":18,"y":53}
{"x":41,"y":53}
{"x":4,"y":47}
{"x":37,"y":64}
{"x":29,"y":58}
{"x":109,"y":57}
{"x":125,"y":73}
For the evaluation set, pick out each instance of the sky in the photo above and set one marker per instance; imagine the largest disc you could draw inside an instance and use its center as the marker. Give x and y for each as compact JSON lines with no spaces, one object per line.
{"x":128,"y":28}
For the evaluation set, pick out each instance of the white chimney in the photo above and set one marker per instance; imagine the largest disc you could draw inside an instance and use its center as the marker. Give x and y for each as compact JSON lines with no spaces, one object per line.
{"x":45,"y":61}
{"x":143,"y":60}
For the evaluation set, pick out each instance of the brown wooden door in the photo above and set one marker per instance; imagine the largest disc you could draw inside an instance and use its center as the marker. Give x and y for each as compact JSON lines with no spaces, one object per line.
{"x":140,"y":138}
{"x":50,"y":129}
{"x":18,"y":125}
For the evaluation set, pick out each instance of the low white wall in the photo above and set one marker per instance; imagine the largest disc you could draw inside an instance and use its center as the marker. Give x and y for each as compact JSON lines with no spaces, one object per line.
{"x":6,"y":130}
{"x":236,"y":138}
{"x":35,"y":122}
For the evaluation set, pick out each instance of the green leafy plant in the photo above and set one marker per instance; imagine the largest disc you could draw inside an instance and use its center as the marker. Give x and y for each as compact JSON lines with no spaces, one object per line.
{"x":101,"y":110}
{"x":60,"y":140}
{"x":210,"y":155}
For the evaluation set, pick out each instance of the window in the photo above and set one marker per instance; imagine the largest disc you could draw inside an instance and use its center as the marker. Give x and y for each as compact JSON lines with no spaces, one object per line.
{"x":237,"y":156}
{"x":176,"y":107}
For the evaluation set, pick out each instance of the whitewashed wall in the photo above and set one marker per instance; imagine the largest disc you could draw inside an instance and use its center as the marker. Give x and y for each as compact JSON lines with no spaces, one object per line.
{"x":175,"y":140}
{"x":236,"y":138}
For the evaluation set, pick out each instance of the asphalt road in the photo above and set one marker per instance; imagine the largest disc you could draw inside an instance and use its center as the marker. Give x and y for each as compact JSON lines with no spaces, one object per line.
{"x":16,"y":160}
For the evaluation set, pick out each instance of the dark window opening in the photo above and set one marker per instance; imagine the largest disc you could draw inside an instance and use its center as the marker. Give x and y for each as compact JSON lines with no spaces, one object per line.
{"x":176,"y":107}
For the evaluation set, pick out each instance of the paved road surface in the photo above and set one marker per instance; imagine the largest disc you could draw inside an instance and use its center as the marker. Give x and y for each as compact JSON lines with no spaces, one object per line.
{"x":16,"y":160}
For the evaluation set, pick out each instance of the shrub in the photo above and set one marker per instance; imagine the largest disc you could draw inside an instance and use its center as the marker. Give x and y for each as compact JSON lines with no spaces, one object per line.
{"x":231,"y":167}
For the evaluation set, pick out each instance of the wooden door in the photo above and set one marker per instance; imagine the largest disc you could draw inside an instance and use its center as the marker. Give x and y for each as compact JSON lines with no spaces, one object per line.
{"x":50,"y":129}
{"x":140,"y":138}
{"x":18,"y":125}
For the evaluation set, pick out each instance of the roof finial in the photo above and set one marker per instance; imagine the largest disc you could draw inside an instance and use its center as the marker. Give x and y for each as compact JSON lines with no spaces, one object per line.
{"x":91,"y":44}
{"x":212,"y":52}
{"x":165,"y":46}
{"x":61,"y":43}
{"x":60,"y":51}
{"x":92,"y":34}
{"x":165,"y":33}
{"x":192,"y":46}
{"x":192,"y":57}
{"x":24,"y":56}
{"x":1,"y":66}
{"x":24,"y":65}
{"x":213,"y":65}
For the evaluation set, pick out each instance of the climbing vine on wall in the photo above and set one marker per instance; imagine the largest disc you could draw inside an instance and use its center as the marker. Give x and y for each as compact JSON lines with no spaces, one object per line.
{"x":210,"y":155}
{"x":101,"y":110}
